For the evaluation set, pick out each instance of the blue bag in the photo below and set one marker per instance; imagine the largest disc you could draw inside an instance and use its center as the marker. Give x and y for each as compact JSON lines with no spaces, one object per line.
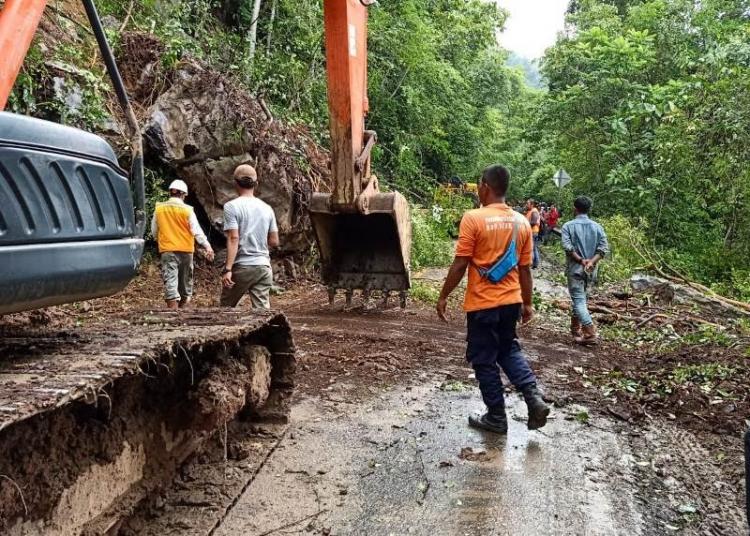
{"x":505,"y":264}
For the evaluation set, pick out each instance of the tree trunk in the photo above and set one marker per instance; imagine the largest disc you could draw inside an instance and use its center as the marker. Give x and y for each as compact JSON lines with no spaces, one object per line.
{"x":274,"y":6}
{"x":252,"y":35}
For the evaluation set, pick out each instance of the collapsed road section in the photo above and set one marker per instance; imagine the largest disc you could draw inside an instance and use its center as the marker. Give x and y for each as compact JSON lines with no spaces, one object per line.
{"x":93,"y":421}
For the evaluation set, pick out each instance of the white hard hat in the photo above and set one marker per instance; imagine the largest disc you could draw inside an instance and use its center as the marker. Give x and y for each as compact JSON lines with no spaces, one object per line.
{"x":179,"y":185}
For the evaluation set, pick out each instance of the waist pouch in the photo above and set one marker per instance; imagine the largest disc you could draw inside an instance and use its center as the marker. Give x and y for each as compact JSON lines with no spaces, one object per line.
{"x":505,"y":264}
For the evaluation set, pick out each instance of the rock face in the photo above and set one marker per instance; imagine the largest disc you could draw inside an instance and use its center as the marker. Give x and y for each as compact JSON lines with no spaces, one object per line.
{"x":202,"y":126}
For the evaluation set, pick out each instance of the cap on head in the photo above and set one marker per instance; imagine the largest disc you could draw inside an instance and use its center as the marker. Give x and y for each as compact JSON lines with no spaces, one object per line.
{"x":245,"y":171}
{"x":179,"y":185}
{"x":245,"y":176}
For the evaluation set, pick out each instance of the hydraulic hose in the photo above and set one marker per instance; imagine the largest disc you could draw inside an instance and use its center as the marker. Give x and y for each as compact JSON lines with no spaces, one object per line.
{"x":136,"y":140}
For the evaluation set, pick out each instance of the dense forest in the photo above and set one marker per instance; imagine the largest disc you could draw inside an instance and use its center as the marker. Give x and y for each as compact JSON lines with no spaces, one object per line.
{"x":645,"y":103}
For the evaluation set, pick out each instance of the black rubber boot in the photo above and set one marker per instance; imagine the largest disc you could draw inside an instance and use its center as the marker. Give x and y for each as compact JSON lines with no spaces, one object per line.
{"x":493,"y":421}
{"x":538,"y":409}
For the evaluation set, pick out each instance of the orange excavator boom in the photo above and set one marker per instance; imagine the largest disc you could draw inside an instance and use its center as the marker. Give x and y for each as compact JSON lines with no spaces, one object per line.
{"x":18,"y":22}
{"x":364,"y":235}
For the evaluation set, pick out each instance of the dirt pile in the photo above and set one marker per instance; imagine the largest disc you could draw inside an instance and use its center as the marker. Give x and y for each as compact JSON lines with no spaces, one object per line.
{"x":92,"y":422}
{"x":202,"y":124}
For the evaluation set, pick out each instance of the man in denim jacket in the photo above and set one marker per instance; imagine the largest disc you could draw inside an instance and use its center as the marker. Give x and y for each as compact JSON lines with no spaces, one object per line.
{"x":585,"y":244}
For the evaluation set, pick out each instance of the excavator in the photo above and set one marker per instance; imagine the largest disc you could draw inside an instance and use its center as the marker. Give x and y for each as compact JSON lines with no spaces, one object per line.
{"x":72,"y":220}
{"x":363,"y":234}
{"x":93,"y":420}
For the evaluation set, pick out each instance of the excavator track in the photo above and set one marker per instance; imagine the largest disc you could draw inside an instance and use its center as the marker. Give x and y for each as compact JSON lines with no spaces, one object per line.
{"x":93,"y":420}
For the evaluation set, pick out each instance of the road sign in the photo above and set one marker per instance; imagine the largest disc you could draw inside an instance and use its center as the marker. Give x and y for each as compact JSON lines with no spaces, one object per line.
{"x":561,"y":178}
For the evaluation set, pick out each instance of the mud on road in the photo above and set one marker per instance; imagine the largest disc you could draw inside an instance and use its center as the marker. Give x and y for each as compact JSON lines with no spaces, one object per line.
{"x":378,"y":444}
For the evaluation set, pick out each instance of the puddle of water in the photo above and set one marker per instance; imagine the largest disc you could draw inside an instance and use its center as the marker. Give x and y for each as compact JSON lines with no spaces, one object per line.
{"x":392,"y":466}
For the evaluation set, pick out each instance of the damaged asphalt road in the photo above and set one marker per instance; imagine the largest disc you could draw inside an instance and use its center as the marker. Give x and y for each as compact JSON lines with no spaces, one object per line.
{"x":378,"y":443}
{"x":407,"y":463}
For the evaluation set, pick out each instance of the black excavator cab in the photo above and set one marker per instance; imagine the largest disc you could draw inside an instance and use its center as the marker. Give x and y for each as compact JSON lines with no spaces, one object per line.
{"x":71,"y":219}
{"x":67,"y":221}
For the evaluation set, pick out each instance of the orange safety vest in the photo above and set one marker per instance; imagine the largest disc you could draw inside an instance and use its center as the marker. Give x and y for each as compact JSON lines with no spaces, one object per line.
{"x":173,"y":227}
{"x":534,"y":228}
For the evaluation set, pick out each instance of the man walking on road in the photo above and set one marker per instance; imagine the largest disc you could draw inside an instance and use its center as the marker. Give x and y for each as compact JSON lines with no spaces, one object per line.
{"x":585,"y":244}
{"x":250,"y":227}
{"x":487,"y":235}
{"x":535,"y":220}
{"x":176,"y":229}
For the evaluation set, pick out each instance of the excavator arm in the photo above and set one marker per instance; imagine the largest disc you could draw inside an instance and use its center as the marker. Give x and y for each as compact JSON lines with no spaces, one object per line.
{"x":364,"y":235}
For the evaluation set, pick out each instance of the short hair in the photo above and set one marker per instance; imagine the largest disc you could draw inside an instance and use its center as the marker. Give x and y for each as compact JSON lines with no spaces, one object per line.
{"x":583,"y":204}
{"x":246,"y":177}
{"x":497,"y":177}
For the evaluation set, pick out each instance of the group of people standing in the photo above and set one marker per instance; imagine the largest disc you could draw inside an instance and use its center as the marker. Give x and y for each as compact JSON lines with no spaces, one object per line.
{"x":543,"y":220}
{"x":251,"y":231}
{"x":499,"y":293}
{"x":496,"y":245}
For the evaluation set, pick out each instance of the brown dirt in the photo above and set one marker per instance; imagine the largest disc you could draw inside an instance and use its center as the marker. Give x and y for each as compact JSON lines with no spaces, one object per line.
{"x":349,"y":355}
{"x":73,"y":412}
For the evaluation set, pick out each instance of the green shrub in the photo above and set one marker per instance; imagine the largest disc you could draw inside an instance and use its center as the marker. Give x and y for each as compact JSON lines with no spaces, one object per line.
{"x":625,"y":239}
{"x":425,"y":292}
{"x":431,"y":244}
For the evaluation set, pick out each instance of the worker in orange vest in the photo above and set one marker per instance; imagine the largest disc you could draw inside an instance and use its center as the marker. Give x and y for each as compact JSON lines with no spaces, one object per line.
{"x":176,"y":230}
{"x":535,"y":220}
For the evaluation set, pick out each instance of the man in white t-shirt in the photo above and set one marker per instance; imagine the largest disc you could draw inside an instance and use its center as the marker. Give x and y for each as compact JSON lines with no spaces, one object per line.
{"x":250,"y":227}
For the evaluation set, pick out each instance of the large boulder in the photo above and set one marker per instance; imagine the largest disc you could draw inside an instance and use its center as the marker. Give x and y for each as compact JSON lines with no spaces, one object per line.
{"x":204,"y":125}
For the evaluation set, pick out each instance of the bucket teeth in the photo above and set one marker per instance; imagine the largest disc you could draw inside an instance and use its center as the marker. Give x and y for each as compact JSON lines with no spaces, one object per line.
{"x":368,"y":297}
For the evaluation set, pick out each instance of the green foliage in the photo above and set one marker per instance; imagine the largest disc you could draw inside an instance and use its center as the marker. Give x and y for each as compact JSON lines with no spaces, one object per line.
{"x":625,"y":240}
{"x":705,"y":373}
{"x":647,"y":110}
{"x":425,"y":292}
{"x":61,"y":86}
{"x":23,"y":99}
{"x":155,"y":192}
{"x":431,"y":244}
{"x":582,"y":417}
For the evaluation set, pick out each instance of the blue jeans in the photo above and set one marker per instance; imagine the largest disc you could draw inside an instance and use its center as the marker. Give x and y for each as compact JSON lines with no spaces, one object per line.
{"x":535,"y":261}
{"x":578,"y":290}
{"x":492,"y":345}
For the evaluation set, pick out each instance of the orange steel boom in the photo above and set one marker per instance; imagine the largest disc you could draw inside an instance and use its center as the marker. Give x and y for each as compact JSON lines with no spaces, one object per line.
{"x":364,"y":236}
{"x":18,"y":22}
{"x":346,"y":56}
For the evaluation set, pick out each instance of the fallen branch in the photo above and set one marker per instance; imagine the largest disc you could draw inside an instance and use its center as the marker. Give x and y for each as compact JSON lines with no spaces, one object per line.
{"x":293,"y":523}
{"x":652,"y":317}
{"x":658,"y":265}
{"x":704,"y":322}
{"x":604,"y":310}
{"x":266,"y":110}
{"x":127,"y":17}
{"x":20,"y":493}
{"x":60,"y":13}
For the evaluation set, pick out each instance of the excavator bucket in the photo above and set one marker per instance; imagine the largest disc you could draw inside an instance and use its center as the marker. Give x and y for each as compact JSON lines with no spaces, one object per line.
{"x":364,"y":236}
{"x":364,"y":251}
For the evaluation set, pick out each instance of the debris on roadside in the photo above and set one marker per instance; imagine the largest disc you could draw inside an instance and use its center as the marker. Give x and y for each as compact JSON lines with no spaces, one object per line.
{"x":472,"y":454}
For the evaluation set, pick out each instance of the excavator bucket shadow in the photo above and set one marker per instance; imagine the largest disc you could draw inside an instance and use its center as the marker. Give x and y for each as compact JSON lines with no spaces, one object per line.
{"x":364,"y":251}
